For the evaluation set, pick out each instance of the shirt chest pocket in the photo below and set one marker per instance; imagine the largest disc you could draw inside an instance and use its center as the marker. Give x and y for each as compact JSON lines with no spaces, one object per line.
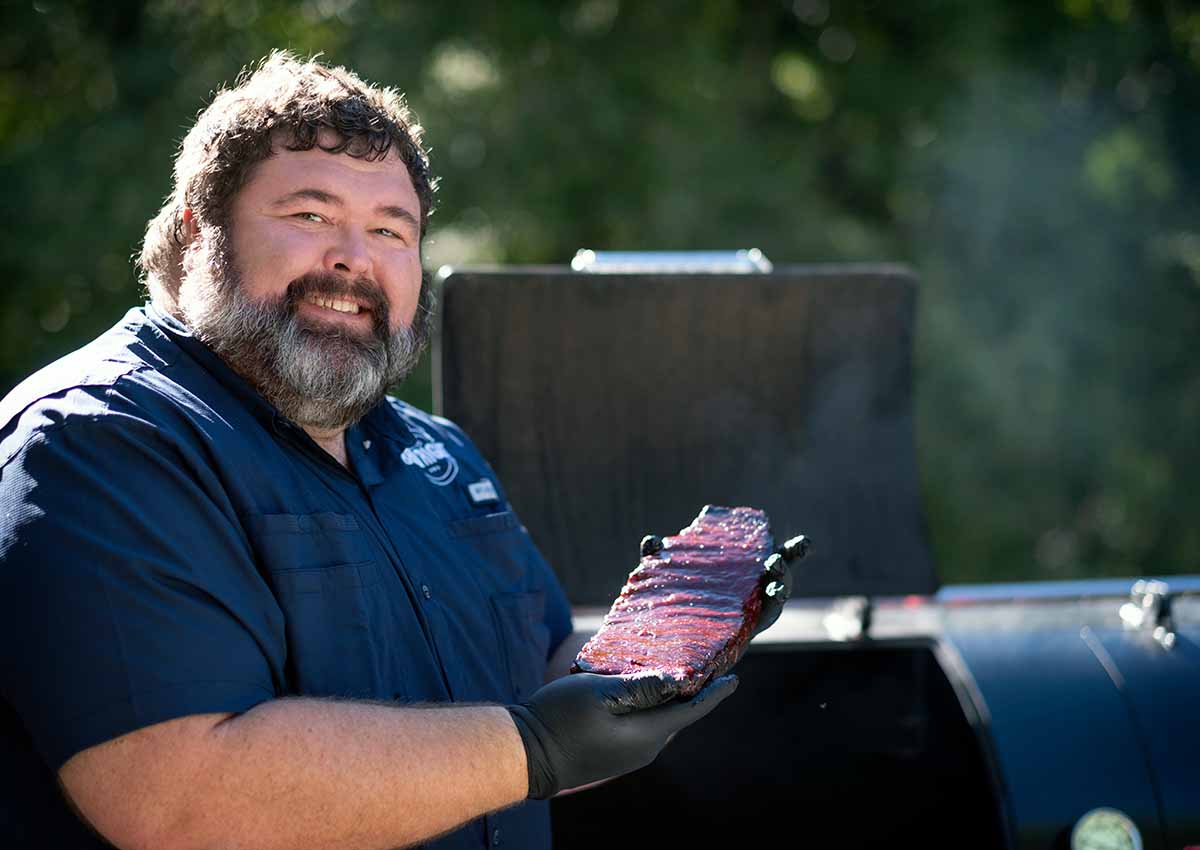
{"x":502,"y":559}
{"x":524,"y":639}
{"x":324,"y":574}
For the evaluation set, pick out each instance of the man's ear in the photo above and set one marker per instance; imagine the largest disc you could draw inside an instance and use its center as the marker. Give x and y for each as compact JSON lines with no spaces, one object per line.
{"x":190,"y":229}
{"x":192,"y":239}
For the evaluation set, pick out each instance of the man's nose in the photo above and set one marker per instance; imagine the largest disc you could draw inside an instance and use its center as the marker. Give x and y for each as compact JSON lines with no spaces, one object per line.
{"x":349,"y":254}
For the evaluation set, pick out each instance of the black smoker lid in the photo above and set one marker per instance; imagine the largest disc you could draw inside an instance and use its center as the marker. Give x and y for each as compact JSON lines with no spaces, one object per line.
{"x":615,"y":405}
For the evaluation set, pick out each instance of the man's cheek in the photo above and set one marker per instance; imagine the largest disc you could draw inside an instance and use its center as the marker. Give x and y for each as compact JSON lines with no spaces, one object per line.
{"x":406,"y":288}
{"x":276,"y":257}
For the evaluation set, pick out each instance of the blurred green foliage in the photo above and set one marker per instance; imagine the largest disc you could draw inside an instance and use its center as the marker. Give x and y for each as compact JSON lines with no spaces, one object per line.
{"x":1037,"y":162}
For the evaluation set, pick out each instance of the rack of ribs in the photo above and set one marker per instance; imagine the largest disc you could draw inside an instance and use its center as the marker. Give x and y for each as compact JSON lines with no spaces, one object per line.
{"x":686,"y":613}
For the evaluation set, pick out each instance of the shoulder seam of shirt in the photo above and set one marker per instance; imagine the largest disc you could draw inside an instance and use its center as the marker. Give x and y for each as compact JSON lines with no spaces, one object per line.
{"x":58,"y":426}
{"x":406,"y":409}
{"x":107,"y":383}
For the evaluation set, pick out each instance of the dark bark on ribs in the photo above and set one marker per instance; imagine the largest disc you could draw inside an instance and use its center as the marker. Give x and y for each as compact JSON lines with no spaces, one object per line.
{"x":686,"y":613}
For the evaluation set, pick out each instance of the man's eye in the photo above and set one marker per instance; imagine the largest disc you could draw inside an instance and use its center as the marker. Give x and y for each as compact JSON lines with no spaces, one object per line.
{"x":383,"y":231}
{"x":308,"y":216}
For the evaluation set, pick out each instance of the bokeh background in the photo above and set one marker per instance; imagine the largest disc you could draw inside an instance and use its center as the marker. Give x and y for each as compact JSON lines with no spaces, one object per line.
{"x":1037,"y":162}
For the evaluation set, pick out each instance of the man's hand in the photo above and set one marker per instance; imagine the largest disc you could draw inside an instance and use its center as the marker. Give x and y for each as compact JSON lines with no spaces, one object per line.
{"x":585,"y":727}
{"x":779,"y":587}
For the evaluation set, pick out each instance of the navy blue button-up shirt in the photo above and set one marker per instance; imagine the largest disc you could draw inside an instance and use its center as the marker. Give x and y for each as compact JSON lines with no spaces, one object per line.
{"x":171,"y":545}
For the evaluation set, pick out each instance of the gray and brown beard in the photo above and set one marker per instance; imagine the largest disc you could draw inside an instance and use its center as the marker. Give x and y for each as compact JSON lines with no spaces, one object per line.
{"x":316,"y":374}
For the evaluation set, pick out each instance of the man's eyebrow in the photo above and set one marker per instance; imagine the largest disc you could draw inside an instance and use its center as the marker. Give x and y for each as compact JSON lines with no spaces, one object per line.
{"x":321,"y":196}
{"x":400,"y":213}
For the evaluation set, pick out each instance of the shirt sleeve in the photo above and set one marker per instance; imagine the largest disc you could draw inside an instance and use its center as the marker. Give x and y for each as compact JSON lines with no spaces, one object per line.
{"x":128,"y":591}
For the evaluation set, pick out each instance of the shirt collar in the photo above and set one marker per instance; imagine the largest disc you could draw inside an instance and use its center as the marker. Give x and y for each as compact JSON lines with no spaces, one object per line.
{"x":239,"y":387}
{"x":381,"y":421}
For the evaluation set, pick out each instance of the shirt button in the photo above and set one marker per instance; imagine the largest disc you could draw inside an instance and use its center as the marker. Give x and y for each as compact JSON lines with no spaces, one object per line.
{"x":496,"y":837}
{"x":366,"y":445}
{"x":425,"y":590}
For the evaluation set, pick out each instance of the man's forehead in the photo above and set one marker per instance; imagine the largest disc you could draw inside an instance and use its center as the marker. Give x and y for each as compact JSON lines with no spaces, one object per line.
{"x":383,"y":180}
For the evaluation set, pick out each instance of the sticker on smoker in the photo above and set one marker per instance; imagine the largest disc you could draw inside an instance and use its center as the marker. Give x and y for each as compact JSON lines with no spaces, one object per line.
{"x":482,"y":491}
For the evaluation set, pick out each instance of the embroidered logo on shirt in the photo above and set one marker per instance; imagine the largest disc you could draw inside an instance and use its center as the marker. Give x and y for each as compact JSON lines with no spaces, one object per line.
{"x":482,"y":491}
{"x":431,"y":456}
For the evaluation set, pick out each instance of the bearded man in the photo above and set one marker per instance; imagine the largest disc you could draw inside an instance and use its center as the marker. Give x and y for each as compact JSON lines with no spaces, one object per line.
{"x":249,"y":600}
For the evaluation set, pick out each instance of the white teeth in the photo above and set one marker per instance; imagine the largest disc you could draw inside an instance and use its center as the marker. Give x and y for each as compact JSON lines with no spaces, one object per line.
{"x":334,"y":304}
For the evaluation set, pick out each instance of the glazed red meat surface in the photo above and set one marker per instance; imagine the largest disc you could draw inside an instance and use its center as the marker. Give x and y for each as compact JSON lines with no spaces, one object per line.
{"x":686,"y":613}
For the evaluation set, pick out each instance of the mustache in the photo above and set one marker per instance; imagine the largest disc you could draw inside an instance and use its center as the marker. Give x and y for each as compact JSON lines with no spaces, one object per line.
{"x":365,"y":292}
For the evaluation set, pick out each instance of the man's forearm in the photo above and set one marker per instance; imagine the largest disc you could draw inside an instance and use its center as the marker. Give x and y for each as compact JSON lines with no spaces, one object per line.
{"x":305,"y":773}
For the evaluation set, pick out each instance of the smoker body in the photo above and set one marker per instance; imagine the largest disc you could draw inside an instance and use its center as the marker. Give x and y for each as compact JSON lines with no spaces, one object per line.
{"x":994,"y":717}
{"x":880,"y":708}
{"x":1086,"y":708}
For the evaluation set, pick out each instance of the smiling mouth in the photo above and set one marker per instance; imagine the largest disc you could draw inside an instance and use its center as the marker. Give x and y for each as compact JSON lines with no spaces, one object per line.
{"x":338,"y":305}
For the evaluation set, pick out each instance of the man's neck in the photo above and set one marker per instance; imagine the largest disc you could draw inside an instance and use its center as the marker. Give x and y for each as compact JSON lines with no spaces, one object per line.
{"x":333,"y":442}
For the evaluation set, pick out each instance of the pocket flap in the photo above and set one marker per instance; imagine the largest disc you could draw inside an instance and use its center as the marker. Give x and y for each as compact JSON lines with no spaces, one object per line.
{"x":487,"y":524}
{"x":286,"y":543}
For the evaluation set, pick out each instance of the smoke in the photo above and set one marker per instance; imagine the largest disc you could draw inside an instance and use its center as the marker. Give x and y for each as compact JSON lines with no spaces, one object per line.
{"x":1044,"y":346}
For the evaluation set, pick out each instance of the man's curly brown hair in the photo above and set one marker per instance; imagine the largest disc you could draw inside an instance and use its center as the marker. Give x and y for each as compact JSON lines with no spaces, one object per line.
{"x":296,"y":104}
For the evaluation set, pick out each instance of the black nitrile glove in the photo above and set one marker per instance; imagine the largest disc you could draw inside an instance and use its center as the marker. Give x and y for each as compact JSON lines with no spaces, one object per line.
{"x":585,"y":727}
{"x":779,"y":587}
